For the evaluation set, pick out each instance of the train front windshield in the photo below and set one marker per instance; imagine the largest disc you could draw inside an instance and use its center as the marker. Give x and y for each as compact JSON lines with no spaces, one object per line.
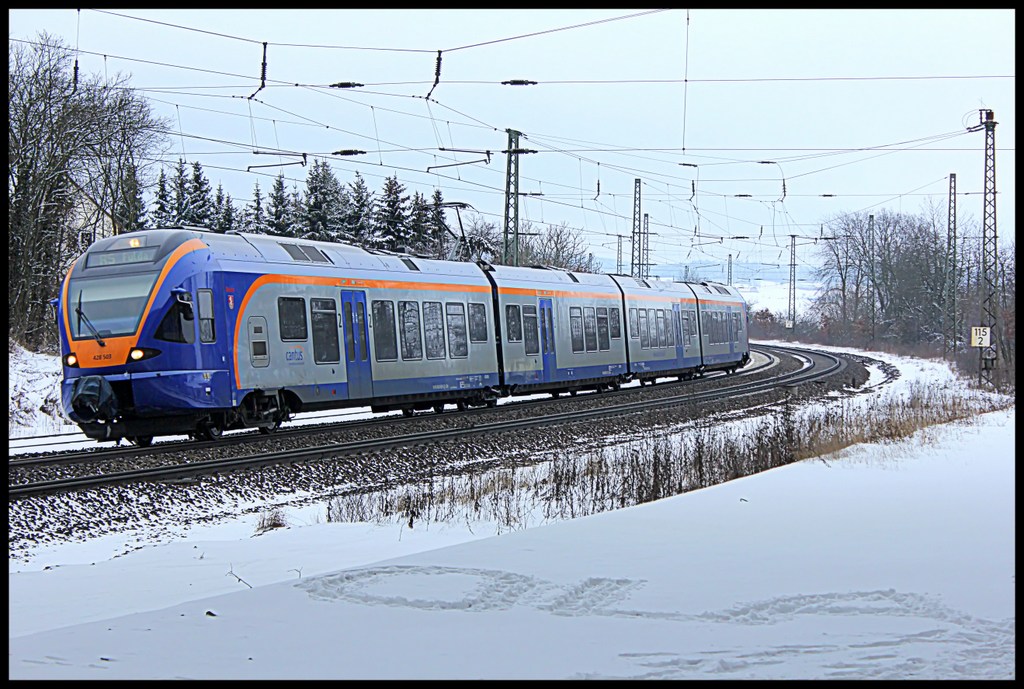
{"x":108,"y":306}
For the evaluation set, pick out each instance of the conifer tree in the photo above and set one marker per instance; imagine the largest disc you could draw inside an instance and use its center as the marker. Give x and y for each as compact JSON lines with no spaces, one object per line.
{"x":129,"y":208}
{"x":321,"y":213}
{"x":182,"y":213}
{"x":218,"y":209}
{"x":254,"y":218}
{"x":357,"y":220}
{"x":200,"y":201}
{"x":418,"y":225}
{"x":392,"y":216}
{"x":161,"y":214}
{"x":229,"y":217}
{"x":278,"y":211}
{"x":438,"y":227}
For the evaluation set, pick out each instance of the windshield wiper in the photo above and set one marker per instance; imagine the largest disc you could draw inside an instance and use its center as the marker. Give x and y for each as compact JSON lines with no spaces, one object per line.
{"x":88,"y":323}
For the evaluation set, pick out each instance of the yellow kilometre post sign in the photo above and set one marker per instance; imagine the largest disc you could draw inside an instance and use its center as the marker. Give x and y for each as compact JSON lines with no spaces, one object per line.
{"x":980,"y":337}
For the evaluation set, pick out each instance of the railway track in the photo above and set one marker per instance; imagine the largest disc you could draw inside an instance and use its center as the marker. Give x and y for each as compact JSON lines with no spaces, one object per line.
{"x":395,"y":432}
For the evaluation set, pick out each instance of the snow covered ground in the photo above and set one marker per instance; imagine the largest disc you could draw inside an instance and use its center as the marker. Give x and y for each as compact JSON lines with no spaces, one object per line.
{"x":882,"y":561}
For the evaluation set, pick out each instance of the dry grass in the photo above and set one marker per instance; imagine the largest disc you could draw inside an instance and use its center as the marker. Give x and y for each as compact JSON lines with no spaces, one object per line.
{"x":567,"y":485}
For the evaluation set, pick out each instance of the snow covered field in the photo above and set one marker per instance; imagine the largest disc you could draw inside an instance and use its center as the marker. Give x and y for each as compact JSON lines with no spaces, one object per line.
{"x":882,"y":561}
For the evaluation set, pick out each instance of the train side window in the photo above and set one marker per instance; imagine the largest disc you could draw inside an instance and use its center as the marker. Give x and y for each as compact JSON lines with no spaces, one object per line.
{"x":671,"y":325}
{"x":662,"y":335}
{"x":178,"y":325}
{"x":350,"y":343}
{"x":614,"y":324}
{"x":603,"y":343}
{"x":207,"y":333}
{"x":652,"y":323}
{"x":634,"y":327}
{"x":477,"y":323}
{"x":645,"y":341}
{"x":433,"y":329}
{"x":291,"y":313}
{"x":324,"y":314}
{"x":384,"y":342}
{"x":514,"y":323}
{"x":684,"y":328}
{"x":530,"y":340}
{"x":589,"y":328}
{"x":458,"y":346}
{"x":576,"y":327}
{"x":409,"y":328}
{"x":692,"y":324}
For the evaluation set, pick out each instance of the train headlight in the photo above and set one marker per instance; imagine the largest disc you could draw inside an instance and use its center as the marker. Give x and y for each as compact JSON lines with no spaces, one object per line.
{"x":71,"y":360}
{"x":140,"y":353}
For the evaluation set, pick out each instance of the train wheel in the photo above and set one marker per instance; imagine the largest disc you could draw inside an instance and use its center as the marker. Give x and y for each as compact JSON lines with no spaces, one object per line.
{"x":209,"y":430}
{"x":267,"y":430}
{"x":142,"y":440}
{"x":491,"y":403}
{"x":461,"y":405}
{"x":407,"y":412}
{"x":439,"y":408}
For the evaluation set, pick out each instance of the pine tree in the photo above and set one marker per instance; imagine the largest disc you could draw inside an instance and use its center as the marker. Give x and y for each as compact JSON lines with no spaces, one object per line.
{"x":322,"y":211}
{"x":439,"y":230}
{"x":129,"y":208}
{"x":357,"y":221}
{"x":295,"y":220}
{"x":419,"y":225}
{"x":278,"y":208}
{"x":392,"y":216}
{"x":161,"y":213}
{"x":218,"y":210}
{"x":182,"y":213}
{"x":229,"y":216}
{"x":254,"y":218}
{"x":200,"y":202}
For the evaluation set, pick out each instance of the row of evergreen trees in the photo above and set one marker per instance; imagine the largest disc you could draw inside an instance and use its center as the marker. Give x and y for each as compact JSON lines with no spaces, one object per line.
{"x":325,"y":210}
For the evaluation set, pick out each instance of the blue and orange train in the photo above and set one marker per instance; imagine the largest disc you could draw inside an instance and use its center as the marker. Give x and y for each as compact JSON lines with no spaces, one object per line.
{"x":186,"y":331}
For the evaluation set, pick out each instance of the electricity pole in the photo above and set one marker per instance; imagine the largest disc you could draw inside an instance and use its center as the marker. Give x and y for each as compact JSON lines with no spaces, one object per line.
{"x":636,"y":269}
{"x":950,"y":331}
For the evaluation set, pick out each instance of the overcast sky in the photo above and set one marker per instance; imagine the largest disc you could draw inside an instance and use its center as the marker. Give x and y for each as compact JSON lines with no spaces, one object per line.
{"x":870,"y":107}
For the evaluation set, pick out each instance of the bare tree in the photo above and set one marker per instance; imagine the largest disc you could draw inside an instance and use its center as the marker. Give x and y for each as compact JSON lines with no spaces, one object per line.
{"x":73,"y":147}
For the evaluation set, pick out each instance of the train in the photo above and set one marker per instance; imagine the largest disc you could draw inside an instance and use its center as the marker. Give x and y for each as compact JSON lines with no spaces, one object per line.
{"x":184,"y":331}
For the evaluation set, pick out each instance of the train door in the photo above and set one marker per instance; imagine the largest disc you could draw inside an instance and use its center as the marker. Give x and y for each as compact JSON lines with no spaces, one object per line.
{"x":357,"y":344}
{"x":547,"y":339}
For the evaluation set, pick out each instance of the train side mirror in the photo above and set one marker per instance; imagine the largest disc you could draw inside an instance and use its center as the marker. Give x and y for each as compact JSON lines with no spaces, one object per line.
{"x":184,"y":297}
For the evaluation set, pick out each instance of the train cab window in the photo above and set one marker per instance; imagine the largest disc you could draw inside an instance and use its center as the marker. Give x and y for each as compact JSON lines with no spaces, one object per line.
{"x":433,"y":329}
{"x":590,"y":328}
{"x":207,"y":333}
{"x":477,"y":323}
{"x":291,"y":313}
{"x":634,"y":327}
{"x":614,"y":324}
{"x":409,"y":330}
{"x":530,"y":339}
{"x":178,"y":325}
{"x":576,"y":328}
{"x":458,"y":346}
{"x":384,"y":342}
{"x":645,"y":340}
{"x":326,"y":348}
{"x":514,"y":324}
